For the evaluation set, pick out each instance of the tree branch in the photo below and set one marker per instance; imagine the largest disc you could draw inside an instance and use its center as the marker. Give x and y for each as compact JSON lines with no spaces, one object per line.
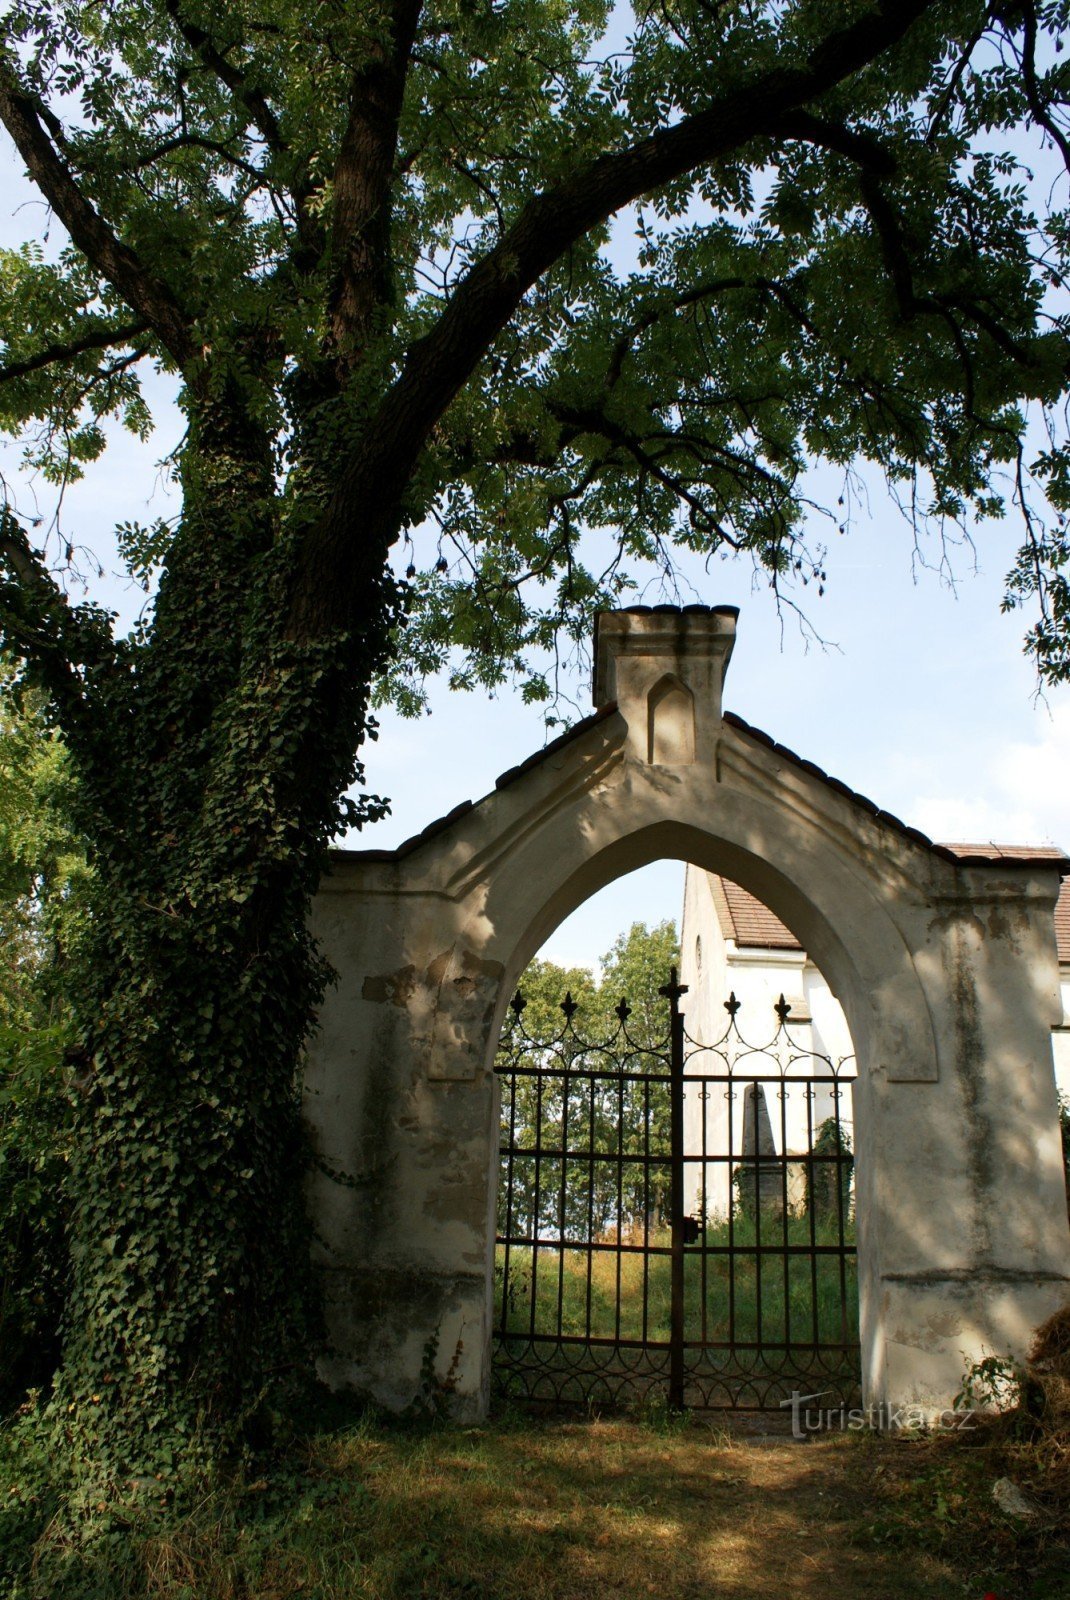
{"x":1041,"y":114}
{"x":146,"y":294}
{"x":253,"y":99}
{"x":195,"y":141}
{"x":97,"y":339}
{"x":489,"y":293}
{"x":654,"y":313}
{"x":262,"y":116}
{"x":439,"y":364}
{"x":858,"y":145}
{"x":640,"y":452}
{"x":363,"y":173}
{"x":875,"y":163}
{"x":35,"y":618}
{"x":959,"y":72}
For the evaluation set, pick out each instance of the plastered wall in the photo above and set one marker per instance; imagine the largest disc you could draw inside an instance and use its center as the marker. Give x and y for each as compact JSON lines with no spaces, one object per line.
{"x":946,"y":971}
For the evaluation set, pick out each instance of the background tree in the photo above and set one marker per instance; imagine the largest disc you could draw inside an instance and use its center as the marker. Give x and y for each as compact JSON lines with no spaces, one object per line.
{"x":635,"y":969}
{"x":379,"y":247}
{"x":569,"y":1022}
{"x":43,"y":882}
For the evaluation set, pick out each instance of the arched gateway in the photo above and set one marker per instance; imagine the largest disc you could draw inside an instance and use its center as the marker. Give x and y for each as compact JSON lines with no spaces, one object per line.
{"x":946,"y":968}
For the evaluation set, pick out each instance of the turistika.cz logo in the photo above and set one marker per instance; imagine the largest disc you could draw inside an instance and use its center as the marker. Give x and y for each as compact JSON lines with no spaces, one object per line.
{"x":807,"y":1419}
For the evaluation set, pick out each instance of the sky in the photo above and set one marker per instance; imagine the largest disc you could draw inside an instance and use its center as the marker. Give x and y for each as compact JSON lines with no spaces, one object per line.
{"x":921,"y":698}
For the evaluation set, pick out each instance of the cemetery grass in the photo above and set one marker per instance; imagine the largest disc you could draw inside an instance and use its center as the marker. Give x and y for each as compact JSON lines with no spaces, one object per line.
{"x":557,"y":1509}
{"x":797,"y":1297}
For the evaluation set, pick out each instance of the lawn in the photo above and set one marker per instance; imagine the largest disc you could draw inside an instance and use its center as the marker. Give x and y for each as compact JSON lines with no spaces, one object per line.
{"x":569,"y":1510}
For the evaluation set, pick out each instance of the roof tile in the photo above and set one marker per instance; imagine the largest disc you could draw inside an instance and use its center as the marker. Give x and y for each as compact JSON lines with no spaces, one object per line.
{"x":744,"y":918}
{"x":1062,"y":922}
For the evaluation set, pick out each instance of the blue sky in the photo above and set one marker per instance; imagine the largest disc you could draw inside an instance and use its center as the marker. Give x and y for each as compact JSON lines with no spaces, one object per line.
{"x":926,"y":704}
{"x":922,"y":700}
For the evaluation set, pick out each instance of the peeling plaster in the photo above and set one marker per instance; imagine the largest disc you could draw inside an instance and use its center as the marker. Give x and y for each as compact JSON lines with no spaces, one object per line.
{"x":963,"y":1238}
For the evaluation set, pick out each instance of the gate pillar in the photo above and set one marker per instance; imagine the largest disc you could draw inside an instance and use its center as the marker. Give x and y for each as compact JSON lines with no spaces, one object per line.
{"x":404,"y":1122}
{"x":964,"y":1245}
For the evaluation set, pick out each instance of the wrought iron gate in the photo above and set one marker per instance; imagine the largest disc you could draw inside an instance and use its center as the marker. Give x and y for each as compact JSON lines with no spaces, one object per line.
{"x":662,"y":1232}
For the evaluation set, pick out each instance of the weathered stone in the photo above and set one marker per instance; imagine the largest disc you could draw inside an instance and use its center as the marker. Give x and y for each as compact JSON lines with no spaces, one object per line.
{"x":1009,"y":1498}
{"x":946,"y":971}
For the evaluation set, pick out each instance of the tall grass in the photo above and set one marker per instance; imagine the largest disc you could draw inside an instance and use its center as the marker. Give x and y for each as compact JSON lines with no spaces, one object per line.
{"x":793,"y":1295}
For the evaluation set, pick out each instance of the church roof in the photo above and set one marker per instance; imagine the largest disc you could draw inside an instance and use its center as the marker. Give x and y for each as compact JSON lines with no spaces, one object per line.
{"x":751,"y":924}
{"x":745,"y":919}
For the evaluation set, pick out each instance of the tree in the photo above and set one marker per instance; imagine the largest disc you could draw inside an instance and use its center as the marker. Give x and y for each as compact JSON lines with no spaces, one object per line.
{"x":570,"y":1022}
{"x":43,"y":885}
{"x":371,"y":243}
{"x":636,"y":968}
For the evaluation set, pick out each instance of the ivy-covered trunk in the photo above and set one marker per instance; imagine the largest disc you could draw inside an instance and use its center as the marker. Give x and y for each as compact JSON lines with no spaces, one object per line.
{"x":188,"y":1286}
{"x":209,"y":812}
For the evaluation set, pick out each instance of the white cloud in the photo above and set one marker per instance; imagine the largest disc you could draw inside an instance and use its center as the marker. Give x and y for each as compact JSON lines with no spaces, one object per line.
{"x":1021,"y":796}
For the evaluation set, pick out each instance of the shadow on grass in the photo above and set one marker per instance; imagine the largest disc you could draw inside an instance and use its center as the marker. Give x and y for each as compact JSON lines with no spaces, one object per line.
{"x":523,"y":1510}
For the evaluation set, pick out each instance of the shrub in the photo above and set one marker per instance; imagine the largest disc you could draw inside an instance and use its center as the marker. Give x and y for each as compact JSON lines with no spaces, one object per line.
{"x":831,"y":1139}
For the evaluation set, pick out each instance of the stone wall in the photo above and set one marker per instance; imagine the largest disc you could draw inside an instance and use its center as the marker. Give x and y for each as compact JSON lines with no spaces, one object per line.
{"x":945,"y":968}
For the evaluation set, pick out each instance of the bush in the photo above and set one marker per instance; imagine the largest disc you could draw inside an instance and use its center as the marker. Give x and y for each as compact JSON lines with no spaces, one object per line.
{"x":34,"y":1130}
{"x":831,"y":1139}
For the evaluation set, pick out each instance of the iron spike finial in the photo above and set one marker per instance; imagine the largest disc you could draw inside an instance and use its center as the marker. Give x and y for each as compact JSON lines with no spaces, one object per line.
{"x":624,"y":1010}
{"x":569,"y":1006}
{"x":732,"y":1005}
{"x":517,"y":1004}
{"x":673,"y":989}
{"x":782,"y":1010}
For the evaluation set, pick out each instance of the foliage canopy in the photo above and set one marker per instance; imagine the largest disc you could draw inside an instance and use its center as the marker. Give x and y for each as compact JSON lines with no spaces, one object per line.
{"x":686,"y":253}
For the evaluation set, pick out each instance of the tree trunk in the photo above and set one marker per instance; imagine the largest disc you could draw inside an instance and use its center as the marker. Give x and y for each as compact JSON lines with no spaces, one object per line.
{"x":209,"y":815}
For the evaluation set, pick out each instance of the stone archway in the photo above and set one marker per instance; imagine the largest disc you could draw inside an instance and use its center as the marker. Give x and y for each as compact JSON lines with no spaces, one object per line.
{"x":945,"y":966}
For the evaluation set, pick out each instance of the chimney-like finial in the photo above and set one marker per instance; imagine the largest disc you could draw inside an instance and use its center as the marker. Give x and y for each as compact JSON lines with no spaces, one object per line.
{"x":664,"y":666}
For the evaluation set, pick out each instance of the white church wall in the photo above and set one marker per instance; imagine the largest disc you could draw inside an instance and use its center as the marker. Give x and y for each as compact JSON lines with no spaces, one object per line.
{"x":714,"y":968}
{"x":1061,"y":1040}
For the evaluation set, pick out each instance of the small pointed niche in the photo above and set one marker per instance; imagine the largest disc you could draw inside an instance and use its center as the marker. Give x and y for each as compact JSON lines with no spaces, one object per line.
{"x":670,"y":724}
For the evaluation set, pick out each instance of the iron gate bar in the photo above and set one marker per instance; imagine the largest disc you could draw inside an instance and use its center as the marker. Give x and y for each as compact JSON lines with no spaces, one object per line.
{"x":672,"y":992}
{"x":812,"y":1215}
{"x":550,"y":1158}
{"x":646,"y":1212}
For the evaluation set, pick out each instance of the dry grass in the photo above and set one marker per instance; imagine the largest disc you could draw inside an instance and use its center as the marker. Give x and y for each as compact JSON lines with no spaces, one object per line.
{"x":579,"y":1511}
{"x":1032,"y":1437}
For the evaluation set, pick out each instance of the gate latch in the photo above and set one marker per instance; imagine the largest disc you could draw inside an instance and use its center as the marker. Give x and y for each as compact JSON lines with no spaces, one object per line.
{"x":692,"y":1229}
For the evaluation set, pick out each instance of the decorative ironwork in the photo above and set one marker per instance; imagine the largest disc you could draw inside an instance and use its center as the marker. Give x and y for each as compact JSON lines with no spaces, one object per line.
{"x":661,"y":1234}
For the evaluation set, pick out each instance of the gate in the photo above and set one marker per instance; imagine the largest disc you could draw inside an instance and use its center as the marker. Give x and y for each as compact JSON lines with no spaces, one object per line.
{"x":675,"y":1218}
